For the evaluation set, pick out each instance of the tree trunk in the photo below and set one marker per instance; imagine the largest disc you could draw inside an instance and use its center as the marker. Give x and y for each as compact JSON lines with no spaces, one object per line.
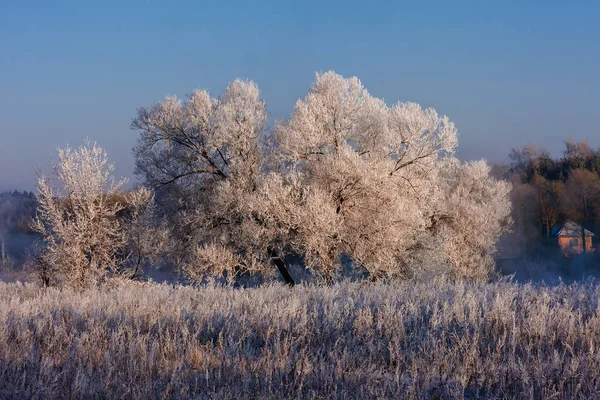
{"x":137,"y":267}
{"x":583,"y":238}
{"x":285,"y":273}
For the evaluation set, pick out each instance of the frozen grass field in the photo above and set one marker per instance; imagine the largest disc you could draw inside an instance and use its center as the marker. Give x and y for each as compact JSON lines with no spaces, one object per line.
{"x":412,"y":340}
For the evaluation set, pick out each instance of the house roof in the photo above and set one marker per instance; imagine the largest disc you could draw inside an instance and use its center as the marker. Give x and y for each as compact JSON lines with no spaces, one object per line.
{"x":569,"y":229}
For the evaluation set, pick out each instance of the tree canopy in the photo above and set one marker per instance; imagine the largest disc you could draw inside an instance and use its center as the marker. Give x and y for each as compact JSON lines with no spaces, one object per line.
{"x":346,"y":176}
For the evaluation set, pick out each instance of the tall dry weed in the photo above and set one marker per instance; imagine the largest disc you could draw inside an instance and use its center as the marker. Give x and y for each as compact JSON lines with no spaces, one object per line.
{"x":406,"y":340}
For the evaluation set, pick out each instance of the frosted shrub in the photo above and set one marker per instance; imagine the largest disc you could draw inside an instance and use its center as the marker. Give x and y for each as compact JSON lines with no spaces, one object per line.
{"x":89,"y":228}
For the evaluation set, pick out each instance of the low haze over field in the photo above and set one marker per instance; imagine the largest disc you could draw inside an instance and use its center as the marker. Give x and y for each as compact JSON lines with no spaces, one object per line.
{"x":505,"y":73}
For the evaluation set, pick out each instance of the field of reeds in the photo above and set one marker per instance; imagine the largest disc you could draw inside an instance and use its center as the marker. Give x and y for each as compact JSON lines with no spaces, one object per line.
{"x":403,"y":340}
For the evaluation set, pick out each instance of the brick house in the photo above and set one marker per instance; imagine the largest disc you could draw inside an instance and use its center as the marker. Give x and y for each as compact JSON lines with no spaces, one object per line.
{"x":570,"y":239}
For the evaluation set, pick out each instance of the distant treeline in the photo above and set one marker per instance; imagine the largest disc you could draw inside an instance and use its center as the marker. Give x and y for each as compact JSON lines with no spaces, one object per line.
{"x":548,"y":191}
{"x":16,"y":210}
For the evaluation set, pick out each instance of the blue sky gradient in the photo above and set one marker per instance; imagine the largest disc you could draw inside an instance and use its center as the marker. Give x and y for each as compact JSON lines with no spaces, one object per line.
{"x":507,"y":73}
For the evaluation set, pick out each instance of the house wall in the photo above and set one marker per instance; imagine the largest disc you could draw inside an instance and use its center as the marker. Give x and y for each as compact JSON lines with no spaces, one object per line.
{"x":574,"y":244}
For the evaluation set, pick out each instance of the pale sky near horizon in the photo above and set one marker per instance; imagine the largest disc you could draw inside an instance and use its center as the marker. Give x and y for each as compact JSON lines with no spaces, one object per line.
{"x":507,"y":73}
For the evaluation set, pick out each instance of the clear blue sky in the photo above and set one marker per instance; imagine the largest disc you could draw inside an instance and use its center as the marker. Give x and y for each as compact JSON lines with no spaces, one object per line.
{"x":507,"y":73}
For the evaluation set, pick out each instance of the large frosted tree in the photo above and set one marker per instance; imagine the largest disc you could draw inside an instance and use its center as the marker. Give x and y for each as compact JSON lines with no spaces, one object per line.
{"x":345,"y":177}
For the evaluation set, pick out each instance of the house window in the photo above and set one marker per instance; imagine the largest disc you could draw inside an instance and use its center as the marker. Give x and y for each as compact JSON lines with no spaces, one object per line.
{"x":574,"y":242}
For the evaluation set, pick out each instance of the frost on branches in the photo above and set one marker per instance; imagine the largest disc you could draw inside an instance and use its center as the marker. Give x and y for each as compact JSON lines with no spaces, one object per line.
{"x":90,"y":228}
{"x":346,"y":176}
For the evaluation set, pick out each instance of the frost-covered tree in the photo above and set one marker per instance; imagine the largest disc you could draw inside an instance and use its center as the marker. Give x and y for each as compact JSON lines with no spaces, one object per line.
{"x":76,"y":217}
{"x":376,"y":164}
{"x":470,"y":214}
{"x":89,"y":227}
{"x":345,"y":177}
{"x":204,"y":157}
